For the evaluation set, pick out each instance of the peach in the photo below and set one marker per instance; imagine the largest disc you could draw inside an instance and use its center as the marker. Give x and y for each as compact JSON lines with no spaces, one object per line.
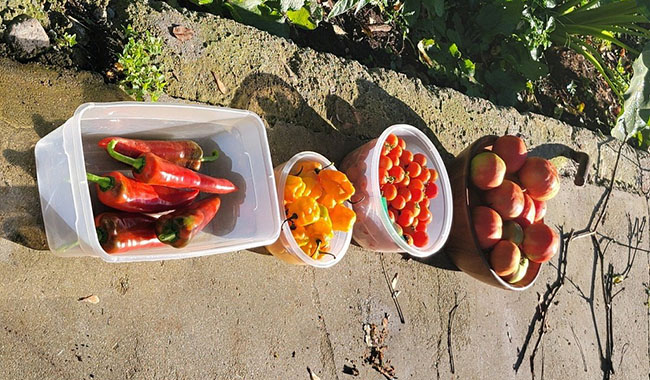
{"x":541,"y":242}
{"x":487,"y":170}
{"x":507,"y":200}
{"x":512,"y":231}
{"x":504,"y":258}
{"x":540,"y":210}
{"x":520,"y":272}
{"x":527,"y":216}
{"x":512,"y":151}
{"x":539,"y":177}
{"x":487,"y":225}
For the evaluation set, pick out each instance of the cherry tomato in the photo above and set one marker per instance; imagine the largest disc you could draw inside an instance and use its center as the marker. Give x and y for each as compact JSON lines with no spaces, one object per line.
{"x":384,"y":176}
{"x":394,"y":156}
{"x":389,"y":191}
{"x":391,"y":216}
{"x":414,"y":169}
{"x":405,"y":193}
{"x":413,"y":207}
{"x":414,"y":225}
{"x":422,"y":226}
{"x":420,"y":159}
{"x":417,"y":195}
{"x":391,"y":141}
{"x":386,"y":149}
{"x":434,"y":175}
{"x":398,"y":228}
{"x":420,"y":239}
{"x":425,"y":175}
{"x":405,"y":182}
{"x":397,"y":173}
{"x":408,"y":238}
{"x":405,"y":218}
{"x":425,"y":203}
{"x":398,"y":203}
{"x":431,"y":190}
{"x":385,"y":161}
{"x":406,"y":158}
{"x":416,"y":184}
{"x":401,"y":143}
{"x":424,"y":214}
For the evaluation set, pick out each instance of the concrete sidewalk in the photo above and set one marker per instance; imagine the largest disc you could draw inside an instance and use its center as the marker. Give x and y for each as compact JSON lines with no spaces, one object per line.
{"x":245,"y":315}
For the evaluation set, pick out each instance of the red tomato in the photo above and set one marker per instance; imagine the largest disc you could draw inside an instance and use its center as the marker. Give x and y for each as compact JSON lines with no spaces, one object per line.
{"x":391,"y":216}
{"x":420,"y":239}
{"x":408,"y":238}
{"x":417,"y":195}
{"x":414,"y":225}
{"x":414,"y":169}
{"x":389,"y":191}
{"x":405,"y":218}
{"x":425,"y":215}
{"x":422,"y":226}
{"x":391,"y":140}
{"x":405,"y":182}
{"x":420,"y":159}
{"x":397,"y":173}
{"x":385,"y":161}
{"x":401,"y":143}
{"x":406,"y":158}
{"x":416,"y":184}
{"x":413,"y":207}
{"x":398,"y":203}
{"x":383,"y":176}
{"x":394,"y":156}
{"x":398,"y":151}
{"x":425,"y":203}
{"x":425,"y":175}
{"x":405,"y":193}
{"x":434,"y":175}
{"x":431,"y":190}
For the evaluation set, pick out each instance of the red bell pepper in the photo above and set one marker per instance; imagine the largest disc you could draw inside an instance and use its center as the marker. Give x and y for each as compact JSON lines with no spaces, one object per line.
{"x":184,"y":153}
{"x":154,"y":170}
{"x":179,"y":227}
{"x":123,"y":193}
{"x":122,"y":232}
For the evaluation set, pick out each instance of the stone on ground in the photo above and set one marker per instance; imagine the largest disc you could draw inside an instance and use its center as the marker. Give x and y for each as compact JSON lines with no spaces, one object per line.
{"x":27,"y":37}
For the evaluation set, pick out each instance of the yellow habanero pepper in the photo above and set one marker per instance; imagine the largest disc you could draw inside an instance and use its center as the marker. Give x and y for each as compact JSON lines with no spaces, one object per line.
{"x":303,"y":211}
{"x":293,"y":188}
{"x":312,"y":187}
{"x":336,"y":185}
{"x":327,"y":201}
{"x":300,"y":235}
{"x":342,"y":218}
{"x":308,"y":169}
{"x":320,"y":231}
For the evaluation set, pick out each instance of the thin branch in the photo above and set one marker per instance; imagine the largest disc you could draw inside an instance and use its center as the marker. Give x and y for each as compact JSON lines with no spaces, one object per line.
{"x":390,"y":287}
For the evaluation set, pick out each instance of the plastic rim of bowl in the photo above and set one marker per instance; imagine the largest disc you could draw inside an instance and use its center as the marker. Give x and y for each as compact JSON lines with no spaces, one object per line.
{"x":445,"y":191}
{"x":285,"y":226}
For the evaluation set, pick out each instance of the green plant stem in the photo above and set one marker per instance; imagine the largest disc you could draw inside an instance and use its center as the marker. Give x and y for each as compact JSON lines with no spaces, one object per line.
{"x":212,"y":157}
{"x":597,"y":32}
{"x":136,"y":163}
{"x":105,"y":183}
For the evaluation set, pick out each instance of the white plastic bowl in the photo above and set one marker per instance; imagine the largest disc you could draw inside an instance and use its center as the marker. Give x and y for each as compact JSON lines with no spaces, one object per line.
{"x":373,"y":229}
{"x":286,"y":248}
{"x":248,"y":218}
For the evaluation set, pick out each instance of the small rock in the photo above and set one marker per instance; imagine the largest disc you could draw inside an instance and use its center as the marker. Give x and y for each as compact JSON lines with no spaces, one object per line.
{"x":26,"y":36}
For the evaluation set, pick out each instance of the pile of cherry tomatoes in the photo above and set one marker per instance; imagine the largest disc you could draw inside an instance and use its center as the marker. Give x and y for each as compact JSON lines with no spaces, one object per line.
{"x":407,"y":185}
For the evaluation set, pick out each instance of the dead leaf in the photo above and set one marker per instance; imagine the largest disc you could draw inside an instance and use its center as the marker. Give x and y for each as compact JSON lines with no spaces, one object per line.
{"x":91,"y":299}
{"x":374,"y":28}
{"x":182,"y":33}
{"x":222,"y":87}
{"x":312,"y":375}
{"x":338,"y":30}
{"x":393,"y":284}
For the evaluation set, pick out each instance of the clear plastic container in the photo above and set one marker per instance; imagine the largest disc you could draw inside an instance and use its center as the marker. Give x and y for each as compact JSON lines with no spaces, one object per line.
{"x":373,"y":229}
{"x":286,"y":248}
{"x":247,"y":218}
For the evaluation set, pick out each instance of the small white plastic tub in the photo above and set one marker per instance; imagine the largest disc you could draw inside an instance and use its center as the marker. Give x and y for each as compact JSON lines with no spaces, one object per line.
{"x":286,"y":248}
{"x":373,"y":229}
{"x":247,"y":218}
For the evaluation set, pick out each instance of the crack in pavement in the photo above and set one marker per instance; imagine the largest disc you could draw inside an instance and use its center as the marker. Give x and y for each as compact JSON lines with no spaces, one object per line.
{"x":327,"y":350}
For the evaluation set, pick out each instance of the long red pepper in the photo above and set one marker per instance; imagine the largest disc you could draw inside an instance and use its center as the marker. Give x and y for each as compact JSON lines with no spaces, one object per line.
{"x":122,"y":232}
{"x":184,"y":153}
{"x":123,"y":193}
{"x":179,"y":227}
{"x":151,"y":169}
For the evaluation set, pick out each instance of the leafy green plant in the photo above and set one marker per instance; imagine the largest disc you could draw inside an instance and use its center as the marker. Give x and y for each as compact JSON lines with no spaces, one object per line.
{"x":141,"y":75}
{"x":67,"y":40}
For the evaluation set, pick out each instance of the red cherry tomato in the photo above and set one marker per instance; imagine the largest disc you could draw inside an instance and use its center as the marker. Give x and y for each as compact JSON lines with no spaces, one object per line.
{"x":389,"y":191}
{"x":398,"y":228}
{"x":398,"y":150}
{"x":394,"y":156}
{"x":420,"y":159}
{"x":386,"y":162}
{"x":414,"y":169}
{"x":391,"y":141}
{"x":425,"y":215}
{"x":422,"y":226}
{"x":414,"y":225}
{"x":391,"y":216}
{"x":417,"y":195}
{"x":425,"y":203}
{"x":398,"y":203}
{"x":406,"y":158}
{"x":405,"y":182}
{"x":420,"y":239}
{"x":397,"y":173}
{"x":431,"y":190}
{"x":401,"y":143}
{"x":405,"y":193}
{"x":416,"y":184}
{"x":434,"y":175}
{"x":413,"y":207}
{"x":408,"y":238}
{"x":425,"y":175}
{"x":383,"y":176}
{"x":405,"y":218}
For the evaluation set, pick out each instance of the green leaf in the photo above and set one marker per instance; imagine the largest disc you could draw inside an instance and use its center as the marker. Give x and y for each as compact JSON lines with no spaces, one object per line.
{"x":286,"y":5}
{"x":434,"y":7}
{"x":341,"y":7}
{"x":499,"y":18}
{"x":453,"y":50}
{"x":644,"y":7}
{"x":302,"y":18}
{"x":633,"y":122}
{"x":201,"y":2}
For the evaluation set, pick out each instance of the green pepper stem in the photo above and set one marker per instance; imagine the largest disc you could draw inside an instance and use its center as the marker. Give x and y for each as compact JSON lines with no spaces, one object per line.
{"x":167,"y":237}
{"x":101,"y":235}
{"x":212,"y":157}
{"x":105,"y":183}
{"x":137,"y":163}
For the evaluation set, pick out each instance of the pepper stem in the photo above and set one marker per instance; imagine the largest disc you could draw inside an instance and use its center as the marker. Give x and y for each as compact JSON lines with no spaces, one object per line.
{"x":137,"y":163}
{"x":210,"y":158}
{"x":105,"y":183}
{"x":167,"y":237}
